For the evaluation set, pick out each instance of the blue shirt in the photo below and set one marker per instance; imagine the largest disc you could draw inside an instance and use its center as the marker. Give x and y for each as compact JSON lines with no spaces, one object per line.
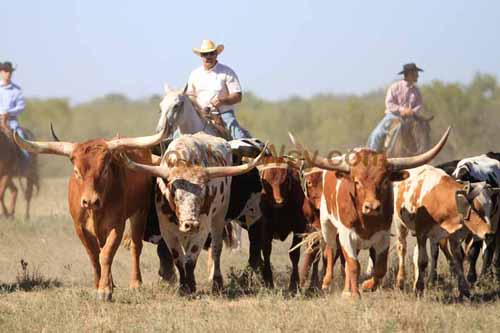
{"x":11,"y":102}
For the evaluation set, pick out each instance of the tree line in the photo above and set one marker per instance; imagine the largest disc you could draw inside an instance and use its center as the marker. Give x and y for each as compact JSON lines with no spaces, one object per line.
{"x":324,"y":122}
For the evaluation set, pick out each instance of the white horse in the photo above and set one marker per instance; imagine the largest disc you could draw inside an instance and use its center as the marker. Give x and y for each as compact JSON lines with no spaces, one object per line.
{"x":180,"y":111}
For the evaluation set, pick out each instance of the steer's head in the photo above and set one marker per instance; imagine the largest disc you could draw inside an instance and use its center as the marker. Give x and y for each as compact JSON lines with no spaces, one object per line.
{"x":313,"y":185}
{"x":93,"y":167}
{"x":371,"y":173}
{"x":93,"y":171}
{"x":479,"y":208}
{"x":276,"y":176}
{"x":188,"y":190}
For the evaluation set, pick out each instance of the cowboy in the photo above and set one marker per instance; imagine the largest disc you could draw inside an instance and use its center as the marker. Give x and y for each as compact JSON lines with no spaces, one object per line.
{"x":216,"y":86}
{"x":403,"y":101}
{"x":11,"y":100}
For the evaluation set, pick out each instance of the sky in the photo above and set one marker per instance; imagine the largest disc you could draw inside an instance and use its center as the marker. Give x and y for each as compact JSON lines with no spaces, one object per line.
{"x":85,"y":49}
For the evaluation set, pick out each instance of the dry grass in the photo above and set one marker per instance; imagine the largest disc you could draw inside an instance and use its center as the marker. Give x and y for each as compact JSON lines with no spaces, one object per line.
{"x":53,"y":291}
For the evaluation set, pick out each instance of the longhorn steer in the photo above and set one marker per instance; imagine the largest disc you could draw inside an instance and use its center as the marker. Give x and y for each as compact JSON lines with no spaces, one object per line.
{"x":102,"y":195}
{"x":194,"y":188}
{"x":357,"y":202}
{"x":482,"y":168}
{"x":285,"y":210}
{"x":425,"y":204}
{"x":312,"y":179}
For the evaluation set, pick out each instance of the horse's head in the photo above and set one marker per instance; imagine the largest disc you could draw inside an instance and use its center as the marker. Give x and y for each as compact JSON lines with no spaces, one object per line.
{"x":171,"y":108}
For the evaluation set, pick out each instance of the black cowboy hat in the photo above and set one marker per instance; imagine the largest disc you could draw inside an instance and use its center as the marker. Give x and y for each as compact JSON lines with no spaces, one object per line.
{"x":410,"y":67}
{"x":7,"y":66}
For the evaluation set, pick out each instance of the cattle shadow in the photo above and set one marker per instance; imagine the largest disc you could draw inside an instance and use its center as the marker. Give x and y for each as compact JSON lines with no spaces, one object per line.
{"x":29,"y":280}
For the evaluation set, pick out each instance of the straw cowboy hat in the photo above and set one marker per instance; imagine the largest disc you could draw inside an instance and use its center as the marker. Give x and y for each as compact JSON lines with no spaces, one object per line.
{"x":208,"y":46}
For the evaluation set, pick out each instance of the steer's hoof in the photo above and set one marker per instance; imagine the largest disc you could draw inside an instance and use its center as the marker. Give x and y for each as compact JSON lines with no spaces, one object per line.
{"x":104,"y":296}
{"x":350,"y":295}
{"x":217,"y":284}
{"x":369,"y":285}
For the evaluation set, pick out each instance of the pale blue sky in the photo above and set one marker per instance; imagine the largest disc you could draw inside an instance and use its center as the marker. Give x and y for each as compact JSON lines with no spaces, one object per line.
{"x":83,"y":49}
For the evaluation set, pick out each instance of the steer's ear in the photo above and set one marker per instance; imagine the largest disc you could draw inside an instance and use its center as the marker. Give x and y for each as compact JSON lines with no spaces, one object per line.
{"x":398,"y":176}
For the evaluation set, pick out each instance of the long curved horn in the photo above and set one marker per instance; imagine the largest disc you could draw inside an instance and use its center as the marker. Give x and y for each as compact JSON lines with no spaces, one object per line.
{"x":153,"y":170}
{"x":399,"y":163}
{"x":54,"y":136}
{"x":229,"y":171}
{"x":41,"y":147}
{"x":139,"y":142}
{"x":337,"y":163}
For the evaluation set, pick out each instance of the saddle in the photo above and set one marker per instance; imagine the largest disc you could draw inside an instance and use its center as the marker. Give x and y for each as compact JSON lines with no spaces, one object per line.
{"x":212,"y":116}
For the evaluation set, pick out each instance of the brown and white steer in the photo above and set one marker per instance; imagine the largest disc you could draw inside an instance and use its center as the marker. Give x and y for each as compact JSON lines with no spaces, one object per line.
{"x":425,"y":204}
{"x":357,"y":204}
{"x":194,"y":180}
{"x":102,"y":195}
{"x":312,"y":179}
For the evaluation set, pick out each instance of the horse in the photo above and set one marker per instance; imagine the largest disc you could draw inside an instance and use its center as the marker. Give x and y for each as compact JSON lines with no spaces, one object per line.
{"x":182,"y":112}
{"x":414,"y":137}
{"x":13,"y":165}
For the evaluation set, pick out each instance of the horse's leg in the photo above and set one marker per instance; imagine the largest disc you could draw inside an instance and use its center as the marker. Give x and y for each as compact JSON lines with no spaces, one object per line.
{"x":3,"y":186}
{"x":13,"y":198}
{"x":28,"y":194}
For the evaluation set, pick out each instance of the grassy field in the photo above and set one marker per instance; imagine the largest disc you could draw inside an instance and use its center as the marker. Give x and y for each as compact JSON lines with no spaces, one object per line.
{"x":52,"y":292}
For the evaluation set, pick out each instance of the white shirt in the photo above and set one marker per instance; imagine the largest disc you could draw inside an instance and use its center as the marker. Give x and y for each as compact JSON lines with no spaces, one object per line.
{"x":219,"y":80}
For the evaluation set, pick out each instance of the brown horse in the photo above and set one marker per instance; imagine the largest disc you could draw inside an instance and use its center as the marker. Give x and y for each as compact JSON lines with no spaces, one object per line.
{"x":12,"y":166}
{"x":414,"y":137}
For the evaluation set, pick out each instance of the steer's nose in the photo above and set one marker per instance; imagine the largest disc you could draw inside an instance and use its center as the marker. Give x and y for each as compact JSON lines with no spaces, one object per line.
{"x":190,"y":226}
{"x":91,"y":203}
{"x":371,"y":207}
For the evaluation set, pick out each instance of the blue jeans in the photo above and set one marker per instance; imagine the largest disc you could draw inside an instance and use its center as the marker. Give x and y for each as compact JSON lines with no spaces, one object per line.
{"x":377,"y":137}
{"x":237,"y":132}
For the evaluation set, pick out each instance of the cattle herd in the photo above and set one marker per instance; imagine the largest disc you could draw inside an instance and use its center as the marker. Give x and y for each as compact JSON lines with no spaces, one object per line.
{"x":186,"y":194}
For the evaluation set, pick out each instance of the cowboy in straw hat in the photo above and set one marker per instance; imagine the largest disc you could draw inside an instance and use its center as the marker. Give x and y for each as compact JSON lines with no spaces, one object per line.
{"x":11,"y":100}
{"x":216,"y":86}
{"x":403,"y":101}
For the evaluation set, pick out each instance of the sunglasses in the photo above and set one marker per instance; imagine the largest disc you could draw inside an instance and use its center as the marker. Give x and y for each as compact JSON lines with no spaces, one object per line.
{"x":208,"y":54}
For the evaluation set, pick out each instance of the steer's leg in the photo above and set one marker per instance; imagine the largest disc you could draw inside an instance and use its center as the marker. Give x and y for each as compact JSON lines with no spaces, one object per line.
{"x":487,"y":256}
{"x":351,"y":274}
{"x":113,"y":239}
{"x":267,"y":239}
{"x":307,"y":261}
{"x":402,"y":232}
{"x":458,"y":259}
{"x":294,"y":258}
{"x":89,"y":241}
{"x":137,"y":226}
{"x":178,"y":257}
{"x":472,"y":256}
{"x":433,"y":276}
{"x":330,"y":262}
{"x":166,"y":271}
{"x":380,"y":251}
{"x":330,"y":236}
{"x":217,"y":229}
{"x":255,"y":239}
{"x":420,"y":260}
